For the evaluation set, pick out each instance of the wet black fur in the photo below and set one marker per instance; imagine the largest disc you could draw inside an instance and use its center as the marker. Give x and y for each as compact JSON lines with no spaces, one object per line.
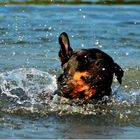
{"x":100,"y":65}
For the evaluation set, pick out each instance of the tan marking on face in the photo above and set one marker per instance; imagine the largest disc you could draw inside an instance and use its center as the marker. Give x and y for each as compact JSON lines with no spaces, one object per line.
{"x":80,"y":85}
{"x":77,"y":76}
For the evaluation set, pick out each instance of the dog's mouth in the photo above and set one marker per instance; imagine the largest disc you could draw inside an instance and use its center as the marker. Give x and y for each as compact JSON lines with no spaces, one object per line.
{"x":81,"y":88}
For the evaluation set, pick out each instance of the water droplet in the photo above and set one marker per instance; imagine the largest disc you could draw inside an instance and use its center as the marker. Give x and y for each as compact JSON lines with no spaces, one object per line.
{"x":20,"y":38}
{"x":100,"y":46}
{"x":16,"y":28}
{"x":14,"y":53}
{"x":84,"y":16}
{"x":50,"y":28}
{"x":121,"y":116}
{"x":126,"y":86}
{"x":97,"y":42}
{"x":82,"y":45}
{"x":103,"y":69}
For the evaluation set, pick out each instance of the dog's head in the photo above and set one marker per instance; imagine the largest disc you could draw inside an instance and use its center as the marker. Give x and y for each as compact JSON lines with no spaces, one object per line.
{"x":87,"y":73}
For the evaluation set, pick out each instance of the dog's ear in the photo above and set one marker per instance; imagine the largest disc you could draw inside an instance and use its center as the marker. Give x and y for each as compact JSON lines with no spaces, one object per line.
{"x":65,"y":50}
{"x":118,"y":72}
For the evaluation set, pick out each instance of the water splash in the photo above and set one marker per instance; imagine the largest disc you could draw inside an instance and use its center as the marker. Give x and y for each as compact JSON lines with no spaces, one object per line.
{"x":31,"y":92}
{"x":121,"y":96}
{"x":26,"y":84}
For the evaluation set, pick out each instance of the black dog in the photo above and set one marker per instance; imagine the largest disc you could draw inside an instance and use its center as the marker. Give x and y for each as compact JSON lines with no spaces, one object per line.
{"x":87,"y":73}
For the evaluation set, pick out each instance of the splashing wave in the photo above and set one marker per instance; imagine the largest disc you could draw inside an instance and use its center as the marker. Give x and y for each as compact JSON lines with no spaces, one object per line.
{"x":30,"y":92}
{"x":26,"y":84}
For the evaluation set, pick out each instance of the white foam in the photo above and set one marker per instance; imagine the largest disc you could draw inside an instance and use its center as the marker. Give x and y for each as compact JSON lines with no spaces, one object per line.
{"x":122,"y":96}
{"x":31,"y":81}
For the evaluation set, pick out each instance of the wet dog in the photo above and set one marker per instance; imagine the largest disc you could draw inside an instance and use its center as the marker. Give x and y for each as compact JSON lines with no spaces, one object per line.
{"x":87,"y":73}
